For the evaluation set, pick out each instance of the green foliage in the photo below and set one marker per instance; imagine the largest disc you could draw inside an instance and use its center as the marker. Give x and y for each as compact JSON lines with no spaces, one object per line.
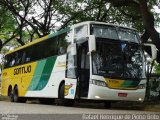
{"x":98,"y":10}
{"x":10,"y":25}
{"x":6,"y":21}
{"x":7,"y":25}
{"x":157,"y":68}
{"x":66,"y":12}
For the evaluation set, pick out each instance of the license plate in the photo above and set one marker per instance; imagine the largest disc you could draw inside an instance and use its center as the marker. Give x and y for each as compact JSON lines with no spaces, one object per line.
{"x":122,"y":94}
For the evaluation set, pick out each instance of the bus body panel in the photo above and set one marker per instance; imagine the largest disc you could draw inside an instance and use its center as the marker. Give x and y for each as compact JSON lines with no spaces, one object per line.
{"x":52,"y":86}
{"x":106,"y":93}
{"x":20,"y":76}
{"x":42,"y":78}
{"x":41,"y":81}
{"x":70,"y":88}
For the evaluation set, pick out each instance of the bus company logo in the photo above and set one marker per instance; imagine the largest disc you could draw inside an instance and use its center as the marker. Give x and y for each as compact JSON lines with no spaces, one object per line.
{"x":22,"y":70}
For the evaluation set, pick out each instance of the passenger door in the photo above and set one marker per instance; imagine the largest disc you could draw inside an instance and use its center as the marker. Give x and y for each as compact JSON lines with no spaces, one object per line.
{"x":71,"y":72}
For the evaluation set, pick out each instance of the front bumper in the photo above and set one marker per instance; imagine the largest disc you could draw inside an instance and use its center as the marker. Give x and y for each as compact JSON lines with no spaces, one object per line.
{"x":105,"y":93}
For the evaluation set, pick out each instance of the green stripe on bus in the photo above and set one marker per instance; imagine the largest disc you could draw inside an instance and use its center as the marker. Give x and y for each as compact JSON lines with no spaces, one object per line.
{"x":47,"y":70}
{"x":58,"y":32}
{"x":130,"y":83}
{"x":37,"y":74}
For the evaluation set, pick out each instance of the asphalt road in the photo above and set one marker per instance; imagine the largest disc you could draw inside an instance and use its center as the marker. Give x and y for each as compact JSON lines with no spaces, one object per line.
{"x":35,"y":111}
{"x":82,"y":108}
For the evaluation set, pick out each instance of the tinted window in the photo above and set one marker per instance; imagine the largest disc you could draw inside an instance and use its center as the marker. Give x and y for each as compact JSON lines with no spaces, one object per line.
{"x":71,"y":66}
{"x":41,"y":50}
{"x":45,"y":49}
{"x":104,"y":31}
{"x":8,"y":60}
{"x":81,"y":32}
{"x":27,"y":55}
{"x":64,"y":40}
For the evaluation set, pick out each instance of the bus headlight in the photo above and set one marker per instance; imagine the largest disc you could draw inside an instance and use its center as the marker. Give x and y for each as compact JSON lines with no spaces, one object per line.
{"x":141,"y":86}
{"x":99,"y":83}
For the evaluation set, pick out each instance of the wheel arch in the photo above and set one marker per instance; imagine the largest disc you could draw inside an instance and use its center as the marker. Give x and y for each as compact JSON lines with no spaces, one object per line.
{"x":9,"y":89}
{"x":15,"y":86}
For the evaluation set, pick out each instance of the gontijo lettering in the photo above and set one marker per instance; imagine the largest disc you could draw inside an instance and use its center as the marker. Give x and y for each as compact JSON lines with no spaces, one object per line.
{"x":22,"y":70}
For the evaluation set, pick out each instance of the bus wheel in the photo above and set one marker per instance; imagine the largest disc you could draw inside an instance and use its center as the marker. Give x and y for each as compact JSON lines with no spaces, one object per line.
{"x":107,"y":104}
{"x":16,"y":98}
{"x":65,"y":102}
{"x":10,"y":94}
{"x":46,"y":101}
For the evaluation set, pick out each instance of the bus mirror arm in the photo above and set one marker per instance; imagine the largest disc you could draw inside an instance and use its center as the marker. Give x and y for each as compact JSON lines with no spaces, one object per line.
{"x":92,"y":43}
{"x":151,"y":49}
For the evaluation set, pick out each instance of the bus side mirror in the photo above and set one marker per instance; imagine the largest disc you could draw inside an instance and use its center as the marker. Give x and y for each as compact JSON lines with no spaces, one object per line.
{"x":151,"y":50}
{"x":92,"y":43}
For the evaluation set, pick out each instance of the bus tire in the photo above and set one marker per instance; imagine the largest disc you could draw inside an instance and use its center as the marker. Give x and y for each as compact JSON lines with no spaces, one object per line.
{"x":16,"y":98}
{"x":63,"y":101}
{"x":107,"y":104}
{"x":10,"y":94}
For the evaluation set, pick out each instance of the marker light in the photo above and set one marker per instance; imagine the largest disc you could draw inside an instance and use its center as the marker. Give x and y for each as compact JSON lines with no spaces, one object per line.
{"x":140,"y":99}
{"x":99,"y":83}
{"x":97,"y":97}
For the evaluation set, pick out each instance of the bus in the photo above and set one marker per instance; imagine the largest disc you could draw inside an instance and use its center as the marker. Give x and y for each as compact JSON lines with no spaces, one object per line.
{"x":89,"y":61}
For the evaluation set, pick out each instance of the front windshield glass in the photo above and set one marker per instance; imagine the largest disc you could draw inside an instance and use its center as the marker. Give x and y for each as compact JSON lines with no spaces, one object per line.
{"x":114,"y":33}
{"x":105,"y":32}
{"x":127,"y":35}
{"x":118,"y":60}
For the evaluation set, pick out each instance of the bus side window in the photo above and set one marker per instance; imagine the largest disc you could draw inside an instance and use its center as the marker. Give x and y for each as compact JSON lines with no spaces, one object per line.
{"x":8,"y":61}
{"x":18,"y":58}
{"x":23,"y":57}
{"x":52,"y":47}
{"x":27,"y":55}
{"x":5,"y":61}
{"x":81,"y":32}
{"x":62,"y":44}
{"x":12,"y":59}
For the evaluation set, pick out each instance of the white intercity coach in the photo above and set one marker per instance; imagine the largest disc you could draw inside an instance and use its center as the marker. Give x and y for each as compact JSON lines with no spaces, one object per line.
{"x":91,"y":61}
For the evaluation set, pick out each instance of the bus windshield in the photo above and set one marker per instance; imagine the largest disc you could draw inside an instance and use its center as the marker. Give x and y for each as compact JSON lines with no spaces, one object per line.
{"x":115,"y":33}
{"x":116,"y":59}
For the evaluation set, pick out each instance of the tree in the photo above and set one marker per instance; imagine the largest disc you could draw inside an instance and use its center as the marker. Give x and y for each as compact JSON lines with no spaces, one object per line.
{"x":135,"y":13}
{"x":35,"y":18}
{"x":157,"y":68}
{"x":29,"y":24}
{"x":91,"y":10}
{"x":7,"y":27}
